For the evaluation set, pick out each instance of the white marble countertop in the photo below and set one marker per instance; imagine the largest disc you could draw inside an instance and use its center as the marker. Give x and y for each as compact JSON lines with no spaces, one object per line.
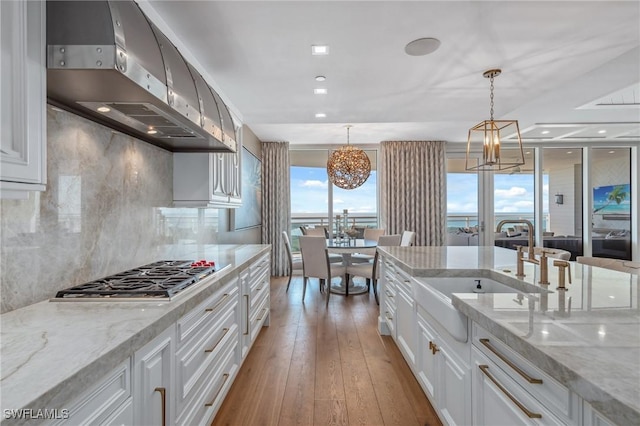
{"x":50,"y":351}
{"x":594,"y":349}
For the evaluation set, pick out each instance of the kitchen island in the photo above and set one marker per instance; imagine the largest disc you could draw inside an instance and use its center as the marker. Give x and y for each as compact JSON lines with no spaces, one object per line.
{"x":53,"y":352}
{"x":586,"y":340}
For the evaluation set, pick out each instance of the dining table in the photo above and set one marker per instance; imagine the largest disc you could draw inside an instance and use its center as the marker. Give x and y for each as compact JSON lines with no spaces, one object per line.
{"x":348,"y":247}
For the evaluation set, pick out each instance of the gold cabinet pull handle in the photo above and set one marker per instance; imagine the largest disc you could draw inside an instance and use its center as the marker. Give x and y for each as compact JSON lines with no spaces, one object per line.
{"x":224,"y":333}
{"x":246,"y":298}
{"x":434,"y":348}
{"x":530,"y":414}
{"x":209,"y":404}
{"x":517,"y":369}
{"x":217,"y":304}
{"x":163,"y":395}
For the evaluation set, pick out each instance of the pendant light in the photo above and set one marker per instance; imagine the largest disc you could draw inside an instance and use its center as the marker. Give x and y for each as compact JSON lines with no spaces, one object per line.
{"x":348,"y":167}
{"x":495,"y":137}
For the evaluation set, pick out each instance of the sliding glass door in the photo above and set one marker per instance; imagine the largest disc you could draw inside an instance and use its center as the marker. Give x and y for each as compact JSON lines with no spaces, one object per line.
{"x":317,"y":203}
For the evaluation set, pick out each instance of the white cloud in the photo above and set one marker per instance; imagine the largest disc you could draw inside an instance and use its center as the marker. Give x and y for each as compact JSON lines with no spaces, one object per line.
{"x":514,"y":191}
{"x":314,"y":184}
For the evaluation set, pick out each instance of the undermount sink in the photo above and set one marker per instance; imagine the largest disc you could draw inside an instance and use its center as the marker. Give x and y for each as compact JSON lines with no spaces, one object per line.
{"x":434,"y":295}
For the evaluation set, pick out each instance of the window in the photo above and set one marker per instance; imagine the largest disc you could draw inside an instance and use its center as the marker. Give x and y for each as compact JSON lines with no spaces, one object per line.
{"x":313,"y":197}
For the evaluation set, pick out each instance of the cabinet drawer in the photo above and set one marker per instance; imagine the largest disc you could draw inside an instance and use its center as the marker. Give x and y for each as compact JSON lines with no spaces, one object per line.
{"x":260,"y":266}
{"x":209,"y":311}
{"x":498,"y":399}
{"x":389,"y":315}
{"x":102,"y":400}
{"x":193,"y":360}
{"x":258,"y":317}
{"x":259,"y":290}
{"x":540,"y":385}
{"x":215,"y":386}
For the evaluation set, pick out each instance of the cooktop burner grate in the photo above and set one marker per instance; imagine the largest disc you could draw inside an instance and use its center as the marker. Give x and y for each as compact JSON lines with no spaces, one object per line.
{"x":162,"y":279}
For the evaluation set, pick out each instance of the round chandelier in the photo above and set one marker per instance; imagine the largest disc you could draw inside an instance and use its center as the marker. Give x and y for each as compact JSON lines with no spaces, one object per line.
{"x":348,"y":167}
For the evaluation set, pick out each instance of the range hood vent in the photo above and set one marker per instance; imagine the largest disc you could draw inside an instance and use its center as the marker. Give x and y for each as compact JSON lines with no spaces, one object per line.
{"x":107,"y":62}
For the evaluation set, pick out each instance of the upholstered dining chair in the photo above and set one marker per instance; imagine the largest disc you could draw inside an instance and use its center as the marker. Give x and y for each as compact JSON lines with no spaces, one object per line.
{"x":408,"y":238}
{"x":373,"y":234}
{"x":370,"y":271}
{"x":316,"y":232}
{"x":315,"y":264}
{"x":295,"y":261}
{"x":614,"y":264}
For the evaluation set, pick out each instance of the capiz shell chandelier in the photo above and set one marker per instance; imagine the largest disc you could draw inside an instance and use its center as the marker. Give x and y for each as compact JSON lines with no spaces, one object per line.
{"x":348,"y":167}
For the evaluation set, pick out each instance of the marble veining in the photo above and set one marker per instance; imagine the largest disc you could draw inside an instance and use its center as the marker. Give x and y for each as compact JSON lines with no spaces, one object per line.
{"x":586,"y":337}
{"x":97,"y":217}
{"x":52,"y":351}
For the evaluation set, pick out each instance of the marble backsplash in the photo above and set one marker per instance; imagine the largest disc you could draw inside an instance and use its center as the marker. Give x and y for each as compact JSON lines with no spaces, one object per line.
{"x":101,"y":212}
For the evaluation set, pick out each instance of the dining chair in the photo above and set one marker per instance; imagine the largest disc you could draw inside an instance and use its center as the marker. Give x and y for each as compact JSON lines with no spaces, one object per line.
{"x":295,"y":261}
{"x":315,"y":264}
{"x":614,"y":264}
{"x":408,"y":238}
{"x":370,"y":271}
{"x":316,"y":232}
{"x":373,"y":234}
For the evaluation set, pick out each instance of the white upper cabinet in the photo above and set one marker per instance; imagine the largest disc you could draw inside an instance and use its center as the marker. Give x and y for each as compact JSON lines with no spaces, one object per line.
{"x":22,"y":98}
{"x":208,"y":179}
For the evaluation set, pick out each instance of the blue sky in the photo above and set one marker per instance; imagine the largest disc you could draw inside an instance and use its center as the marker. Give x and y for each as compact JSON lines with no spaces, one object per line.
{"x":309,"y":186}
{"x":513,"y":193}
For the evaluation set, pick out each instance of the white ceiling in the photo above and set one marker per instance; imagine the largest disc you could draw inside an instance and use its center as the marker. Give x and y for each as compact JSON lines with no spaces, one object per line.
{"x":559,"y":61}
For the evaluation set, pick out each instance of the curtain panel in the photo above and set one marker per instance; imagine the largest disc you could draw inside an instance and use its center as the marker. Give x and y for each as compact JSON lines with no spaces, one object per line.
{"x":412,"y":189}
{"x":276,"y":202}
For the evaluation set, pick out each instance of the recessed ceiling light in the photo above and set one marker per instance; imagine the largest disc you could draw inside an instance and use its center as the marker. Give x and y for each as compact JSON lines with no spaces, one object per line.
{"x":612,"y":152}
{"x":103,"y":109}
{"x":602,"y":131}
{"x":319,"y":49}
{"x":569,"y":152}
{"x":422,"y":46}
{"x":545,"y":132}
{"x":152,"y":131}
{"x":321,"y":115}
{"x":321,"y":78}
{"x":320,"y":91}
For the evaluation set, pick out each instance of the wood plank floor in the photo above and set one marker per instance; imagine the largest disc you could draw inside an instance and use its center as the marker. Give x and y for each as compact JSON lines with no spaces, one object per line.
{"x":319,"y":366}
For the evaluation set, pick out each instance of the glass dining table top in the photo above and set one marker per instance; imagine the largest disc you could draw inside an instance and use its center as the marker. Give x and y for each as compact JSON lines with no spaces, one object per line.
{"x":351,"y":244}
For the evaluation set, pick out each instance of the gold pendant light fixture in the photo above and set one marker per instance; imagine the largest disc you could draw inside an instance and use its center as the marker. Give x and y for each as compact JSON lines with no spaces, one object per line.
{"x":348,"y":167}
{"x":500,"y":140}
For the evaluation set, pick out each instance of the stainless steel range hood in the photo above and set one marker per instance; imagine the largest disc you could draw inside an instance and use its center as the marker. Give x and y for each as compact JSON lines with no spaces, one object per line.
{"x":107,"y":62}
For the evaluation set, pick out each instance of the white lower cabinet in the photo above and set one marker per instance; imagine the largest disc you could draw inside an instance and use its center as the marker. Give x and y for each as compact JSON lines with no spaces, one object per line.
{"x":406,"y":328}
{"x":107,"y":402}
{"x":527,"y":393}
{"x":443,"y":375}
{"x":478,"y":381}
{"x":182,"y":376}
{"x":499,"y":400}
{"x":254,"y":286}
{"x":207,"y":341}
{"x":154,"y":381}
{"x":592,"y":417}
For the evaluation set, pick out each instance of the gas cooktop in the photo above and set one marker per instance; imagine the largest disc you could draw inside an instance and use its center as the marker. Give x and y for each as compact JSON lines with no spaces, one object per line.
{"x":159,"y":280}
